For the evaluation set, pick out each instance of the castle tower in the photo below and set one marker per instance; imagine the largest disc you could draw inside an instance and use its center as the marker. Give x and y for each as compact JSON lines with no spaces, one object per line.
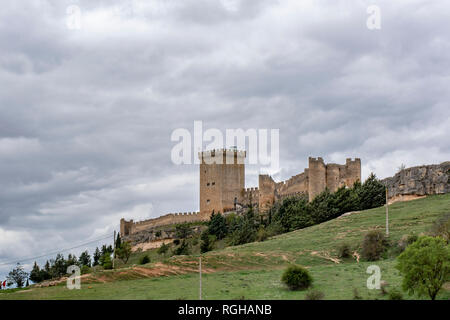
{"x":353,"y":171}
{"x":316,"y":177}
{"x":222,"y":178}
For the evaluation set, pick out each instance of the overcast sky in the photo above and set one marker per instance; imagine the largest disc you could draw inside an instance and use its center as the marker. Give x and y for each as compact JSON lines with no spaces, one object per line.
{"x":87,"y":110}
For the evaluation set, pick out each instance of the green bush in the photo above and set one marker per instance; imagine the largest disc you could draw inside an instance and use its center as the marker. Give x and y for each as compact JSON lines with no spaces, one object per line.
{"x":206,"y":244}
{"x":441,"y":228}
{"x":395,"y":294}
{"x":85,"y":269}
{"x":425,"y":266}
{"x":182,"y":249}
{"x":163,"y":249}
{"x":144,"y":260}
{"x":344,"y":251}
{"x":297,"y":278}
{"x":261,"y":234}
{"x":106,"y":261}
{"x":183,"y":230}
{"x":374,"y":245}
{"x":314,"y":295}
{"x":405,"y":241}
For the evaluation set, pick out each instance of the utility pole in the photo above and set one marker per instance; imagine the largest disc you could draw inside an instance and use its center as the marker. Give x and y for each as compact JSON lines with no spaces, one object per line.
{"x":387,"y":214}
{"x":200,"y":278}
{"x":114,"y":251}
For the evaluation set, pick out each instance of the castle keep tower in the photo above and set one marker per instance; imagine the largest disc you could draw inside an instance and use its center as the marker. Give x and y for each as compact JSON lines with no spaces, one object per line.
{"x":331,"y":175}
{"x":222,"y":179}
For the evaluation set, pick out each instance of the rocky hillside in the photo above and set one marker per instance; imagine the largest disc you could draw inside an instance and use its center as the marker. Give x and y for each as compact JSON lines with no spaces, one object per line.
{"x":420,"y":181}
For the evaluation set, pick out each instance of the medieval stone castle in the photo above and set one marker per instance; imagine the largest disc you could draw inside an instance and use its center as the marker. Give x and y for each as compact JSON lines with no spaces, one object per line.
{"x":222,"y":187}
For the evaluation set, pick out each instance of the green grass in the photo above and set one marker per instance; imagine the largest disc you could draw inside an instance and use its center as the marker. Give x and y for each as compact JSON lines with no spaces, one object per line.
{"x":253,"y":271}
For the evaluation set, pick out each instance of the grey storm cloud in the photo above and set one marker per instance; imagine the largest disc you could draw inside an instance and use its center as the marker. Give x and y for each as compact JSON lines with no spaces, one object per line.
{"x":86,"y":114}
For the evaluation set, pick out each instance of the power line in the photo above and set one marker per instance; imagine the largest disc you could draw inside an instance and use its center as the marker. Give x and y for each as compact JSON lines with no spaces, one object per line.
{"x":53,"y":252}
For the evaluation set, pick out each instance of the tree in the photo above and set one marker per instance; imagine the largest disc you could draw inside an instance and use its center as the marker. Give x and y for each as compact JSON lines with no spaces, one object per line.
{"x":46,"y":273}
{"x":35,"y":274}
{"x":425,"y":266}
{"x":182,"y":249}
{"x":96,"y":257}
{"x":124,"y":252}
{"x":84,"y":259}
{"x":59,"y":266}
{"x":372,"y":193}
{"x":163,"y":249}
{"x":71,"y":260}
{"x":17,"y":276}
{"x":205,"y":246}
{"x":291,"y":213}
{"x":118,"y":241}
{"x":245,"y":231}
{"x":182,"y":230}
{"x":217,"y":226}
{"x":105,"y":261}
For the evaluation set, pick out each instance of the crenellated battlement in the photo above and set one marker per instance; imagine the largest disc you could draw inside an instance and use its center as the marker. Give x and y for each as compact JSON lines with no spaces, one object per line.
{"x":220,"y":154}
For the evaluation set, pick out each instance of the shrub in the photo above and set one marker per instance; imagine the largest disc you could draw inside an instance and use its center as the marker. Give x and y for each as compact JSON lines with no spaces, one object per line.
{"x":144,"y":260}
{"x":183,"y":230}
{"x":344,"y":251}
{"x":314,"y":295}
{"x":425,"y":266}
{"x":274,"y":229}
{"x":182,"y":249}
{"x":206,"y":244}
{"x":163,"y":249}
{"x":176,"y":242}
{"x":395,"y":294}
{"x":441,"y":228}
{"x":374,"y":245}
{"x":261,"y":234}
{"x":297,"y":278}
{"x":106,"y":261}
{"x":405,"y":241}
{"x":85,"y":269}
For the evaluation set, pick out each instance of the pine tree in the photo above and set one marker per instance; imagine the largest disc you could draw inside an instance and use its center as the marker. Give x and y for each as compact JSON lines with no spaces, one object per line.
{"x":85,"y":259}
{"x":118,"y":241}
{"x":217,"y":226}
{"x":35,"y":274}
{"x":97,"y":255}
{"x":205,"y":246}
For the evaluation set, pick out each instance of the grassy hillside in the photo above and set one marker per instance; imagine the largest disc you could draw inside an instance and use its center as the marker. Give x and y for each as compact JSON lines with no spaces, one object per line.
{"x":253,"y":271}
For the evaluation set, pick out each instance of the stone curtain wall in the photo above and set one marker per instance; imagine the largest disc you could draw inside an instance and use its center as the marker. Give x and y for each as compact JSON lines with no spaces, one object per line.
{"x":222,"y":185}
{"x":130,"y":227}
{"x":419,"y":181}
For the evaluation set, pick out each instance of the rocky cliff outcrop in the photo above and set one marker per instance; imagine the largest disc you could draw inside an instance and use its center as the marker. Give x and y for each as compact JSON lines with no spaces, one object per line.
{"x":420,"y":181}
